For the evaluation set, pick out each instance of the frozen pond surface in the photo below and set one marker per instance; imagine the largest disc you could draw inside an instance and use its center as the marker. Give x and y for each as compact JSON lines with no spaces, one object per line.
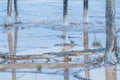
{"x":41,"y":31}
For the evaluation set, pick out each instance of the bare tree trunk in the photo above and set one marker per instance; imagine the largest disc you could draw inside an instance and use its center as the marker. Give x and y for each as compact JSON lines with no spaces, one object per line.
{"x":85,"y":17}
{"x":85,"y":10}
{"x":110,"y":32}
{"x":65,"y":20}
{"x":16,"y":11}
{"x":9,"y":9}
{"x":65,"y":11}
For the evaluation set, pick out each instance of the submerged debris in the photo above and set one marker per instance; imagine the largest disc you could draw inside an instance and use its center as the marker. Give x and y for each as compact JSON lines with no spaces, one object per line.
{"x":97,"y":43}
{"x":80,"y":77}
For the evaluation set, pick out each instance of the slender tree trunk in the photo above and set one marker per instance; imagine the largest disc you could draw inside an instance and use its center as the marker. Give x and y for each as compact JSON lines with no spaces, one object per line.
{"x":65,"y":11}
{"x":9,"y":9}
{"x":65,"y":20}
{"x":16,"y":10}
{"x":110,"y":32}
{"x":85,"y":19}
{"x":85,"y":10}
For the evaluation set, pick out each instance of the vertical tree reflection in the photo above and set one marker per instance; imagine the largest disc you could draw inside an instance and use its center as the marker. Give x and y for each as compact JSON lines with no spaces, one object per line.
{"x":110,"y":72}
{"x":12,"y":44}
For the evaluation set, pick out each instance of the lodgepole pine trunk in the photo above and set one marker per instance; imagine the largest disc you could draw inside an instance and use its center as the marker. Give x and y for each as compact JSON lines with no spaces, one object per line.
{"x":85,"y":10}
{"x":65,"y":11}
{"x":85,"y":19}
{"x":110,"y":56}
{"x":9,"y":9}
{"x":16,"y":11}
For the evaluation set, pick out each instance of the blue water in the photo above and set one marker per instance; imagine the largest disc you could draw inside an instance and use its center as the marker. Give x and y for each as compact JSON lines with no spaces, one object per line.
{"x":37,"y":37}
{"x":31,"y":10}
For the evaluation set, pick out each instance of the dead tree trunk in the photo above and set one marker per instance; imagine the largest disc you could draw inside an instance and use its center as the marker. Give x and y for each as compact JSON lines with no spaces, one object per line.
{"x":16,"y":11}
{"x":9,"y":9}
{"x":85,"y":17}
{"x":110,"y":32}
{"x":65,"y":10}
{"x":85,"y":10}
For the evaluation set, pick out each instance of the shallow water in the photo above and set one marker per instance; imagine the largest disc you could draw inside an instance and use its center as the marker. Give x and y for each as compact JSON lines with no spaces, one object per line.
{"x":41,"y":31}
